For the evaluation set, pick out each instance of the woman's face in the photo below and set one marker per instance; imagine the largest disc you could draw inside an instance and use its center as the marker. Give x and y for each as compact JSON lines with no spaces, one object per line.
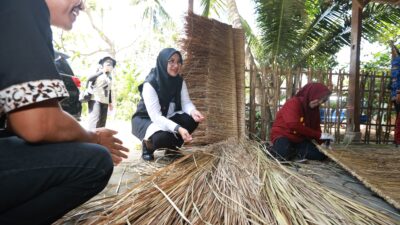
{"x":174,"y":65}
{"x":108,"y":66}
{"x":317,"y":102}
{"x":63,"y":13}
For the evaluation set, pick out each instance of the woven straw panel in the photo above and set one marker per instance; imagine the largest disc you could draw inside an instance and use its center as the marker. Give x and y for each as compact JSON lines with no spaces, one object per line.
{"x":239,"y":44}
{"x":374,"y":165}
{"x":212,"y":71}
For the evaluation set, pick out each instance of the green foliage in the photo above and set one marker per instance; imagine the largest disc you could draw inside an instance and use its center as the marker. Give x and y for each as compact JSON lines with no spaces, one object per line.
{"x":322,"y":62}
{"x":300,"y":33}
{"x":154,"y":13}
{"x":279,"y":22}
{"x":381,"y":22}
{"x":380,"y":61}
{"x":126,"y":88}
{"x":214,"y":6}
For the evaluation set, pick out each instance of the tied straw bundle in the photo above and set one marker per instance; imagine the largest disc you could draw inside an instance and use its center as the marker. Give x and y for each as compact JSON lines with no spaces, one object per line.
{"x":231,"y":183}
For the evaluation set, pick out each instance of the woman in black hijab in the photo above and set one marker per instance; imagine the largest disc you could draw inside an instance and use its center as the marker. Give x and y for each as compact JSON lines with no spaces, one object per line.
{"x":165,"y":116}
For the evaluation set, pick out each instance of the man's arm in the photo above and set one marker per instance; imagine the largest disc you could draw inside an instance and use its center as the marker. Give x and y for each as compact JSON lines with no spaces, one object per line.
{"x":47,"y":122}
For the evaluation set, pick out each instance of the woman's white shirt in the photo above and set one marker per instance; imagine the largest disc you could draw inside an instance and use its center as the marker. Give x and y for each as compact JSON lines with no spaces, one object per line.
{"x":153,"y":107}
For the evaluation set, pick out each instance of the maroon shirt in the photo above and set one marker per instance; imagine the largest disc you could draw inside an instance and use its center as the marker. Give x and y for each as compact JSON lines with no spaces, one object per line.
{"x":296,"y":120}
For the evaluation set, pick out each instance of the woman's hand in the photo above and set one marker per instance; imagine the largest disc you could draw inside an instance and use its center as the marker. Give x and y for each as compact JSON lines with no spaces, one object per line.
{"x":185,"y":135}
{"x":197,"y":116}
{"x":106,"y":138}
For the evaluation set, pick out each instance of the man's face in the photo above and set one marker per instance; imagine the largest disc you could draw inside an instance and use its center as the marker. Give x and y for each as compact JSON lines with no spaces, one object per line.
{"x":63,"y":13}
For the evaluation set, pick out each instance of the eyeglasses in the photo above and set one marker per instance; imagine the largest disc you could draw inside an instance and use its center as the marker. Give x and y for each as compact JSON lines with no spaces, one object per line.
{"x":172,"y":62}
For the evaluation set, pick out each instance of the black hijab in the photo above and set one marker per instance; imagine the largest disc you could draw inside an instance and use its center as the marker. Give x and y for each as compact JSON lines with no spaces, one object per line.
{"x":166,"y":86}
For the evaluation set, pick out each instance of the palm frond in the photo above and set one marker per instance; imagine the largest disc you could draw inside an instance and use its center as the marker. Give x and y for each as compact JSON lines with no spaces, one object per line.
{"x":280,"y":22}
{"x":214,"y":6}
{"x":294,"y":31}
{"x":377,"y":18}
{"x":326,"y":34}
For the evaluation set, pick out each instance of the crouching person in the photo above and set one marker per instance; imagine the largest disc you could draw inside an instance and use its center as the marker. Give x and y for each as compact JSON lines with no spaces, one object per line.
{"x":49,"y":164}
{"x":298,"y":122}
{"x":165,"y":116}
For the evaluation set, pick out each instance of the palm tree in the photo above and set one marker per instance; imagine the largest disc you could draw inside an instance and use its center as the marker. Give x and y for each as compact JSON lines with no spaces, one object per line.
{"x":293,"y":31}
{"x":214,"y":6}
{"x":154,"y":13}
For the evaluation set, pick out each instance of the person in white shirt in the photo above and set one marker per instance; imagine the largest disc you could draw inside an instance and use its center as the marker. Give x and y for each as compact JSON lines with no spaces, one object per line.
{"x":165,"y":116}
{"x":101,"y":100}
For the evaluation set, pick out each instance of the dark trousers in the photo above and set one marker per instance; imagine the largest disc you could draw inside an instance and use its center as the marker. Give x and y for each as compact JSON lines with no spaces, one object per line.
{"x":97,"y":114}
{"x":165,"y":139}
{"x":39,"y":183}
{"x":397,"y":124}
{"x":283,"y":149}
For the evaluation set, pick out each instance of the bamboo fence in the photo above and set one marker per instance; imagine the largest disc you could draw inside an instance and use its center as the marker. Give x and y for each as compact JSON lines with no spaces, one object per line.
{"x":377,"y":114}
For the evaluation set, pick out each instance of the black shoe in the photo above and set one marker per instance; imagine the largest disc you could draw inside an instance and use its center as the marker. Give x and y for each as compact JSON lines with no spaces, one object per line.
{"x":147,"y":154}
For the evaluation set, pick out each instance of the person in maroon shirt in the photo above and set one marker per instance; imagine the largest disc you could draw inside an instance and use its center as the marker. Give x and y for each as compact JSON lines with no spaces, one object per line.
{"x":298,"y":122}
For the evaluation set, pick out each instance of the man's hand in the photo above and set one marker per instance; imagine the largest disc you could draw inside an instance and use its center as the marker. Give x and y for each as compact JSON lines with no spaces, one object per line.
{"x":185,"y":135}
{"x":110,"y":107}
{"x":197,"y":116}
{"x":106,"y":138}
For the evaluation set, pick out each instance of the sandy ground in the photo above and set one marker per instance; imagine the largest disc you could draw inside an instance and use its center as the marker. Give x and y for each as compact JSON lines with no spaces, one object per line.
{"x":133,"y":169}
{"x":125,"y":135}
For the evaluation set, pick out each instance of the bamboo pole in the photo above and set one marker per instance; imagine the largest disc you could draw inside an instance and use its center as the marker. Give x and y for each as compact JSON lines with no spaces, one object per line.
{"x":380,"y":106}
{"x":362,"y":94}
{"x":252,"y":114}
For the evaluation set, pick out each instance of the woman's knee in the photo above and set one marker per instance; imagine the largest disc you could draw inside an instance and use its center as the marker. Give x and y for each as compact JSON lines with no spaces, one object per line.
{"x":282,"y":149}
{"x":165,"y":139}
{"x":314,"y":154}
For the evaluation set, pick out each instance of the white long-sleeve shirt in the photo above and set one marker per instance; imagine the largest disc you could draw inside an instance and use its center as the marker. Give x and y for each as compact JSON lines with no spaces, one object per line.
{"x":153,"y":107}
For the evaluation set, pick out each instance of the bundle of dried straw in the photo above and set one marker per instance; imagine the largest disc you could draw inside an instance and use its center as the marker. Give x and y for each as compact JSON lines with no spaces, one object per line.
{"x":231,"y":183}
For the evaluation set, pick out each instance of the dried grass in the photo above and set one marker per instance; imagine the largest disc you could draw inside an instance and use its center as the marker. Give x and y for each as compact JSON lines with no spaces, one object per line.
{"x":231,"y":183}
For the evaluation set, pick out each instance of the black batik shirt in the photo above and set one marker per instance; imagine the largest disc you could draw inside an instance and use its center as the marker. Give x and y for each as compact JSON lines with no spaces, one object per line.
{"x":27,"y":71}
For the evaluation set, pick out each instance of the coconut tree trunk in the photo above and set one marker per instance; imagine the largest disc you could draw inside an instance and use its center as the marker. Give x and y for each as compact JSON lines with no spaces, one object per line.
{"x":233,"y":14}
{"x":190,"y":8}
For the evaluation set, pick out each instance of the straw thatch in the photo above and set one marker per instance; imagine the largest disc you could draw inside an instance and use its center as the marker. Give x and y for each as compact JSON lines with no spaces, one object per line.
{"x":230,"y":183}
{"x":377,"y":167}
{"x":214,"y":73}
{"x":239,"y":43}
